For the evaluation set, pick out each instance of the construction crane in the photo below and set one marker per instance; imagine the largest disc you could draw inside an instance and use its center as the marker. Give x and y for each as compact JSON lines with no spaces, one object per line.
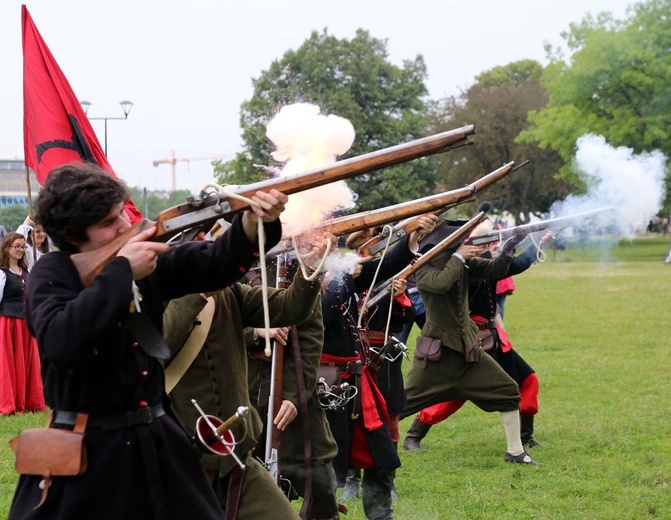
{"x":174,"y":160}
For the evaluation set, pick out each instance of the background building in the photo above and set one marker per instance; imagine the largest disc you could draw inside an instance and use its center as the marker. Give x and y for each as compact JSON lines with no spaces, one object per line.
{"x":13,"y":189}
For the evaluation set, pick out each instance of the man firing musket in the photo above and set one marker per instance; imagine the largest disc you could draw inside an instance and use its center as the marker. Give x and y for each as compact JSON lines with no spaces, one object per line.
{"x":449,"y":362}
{"x":492,"y":339}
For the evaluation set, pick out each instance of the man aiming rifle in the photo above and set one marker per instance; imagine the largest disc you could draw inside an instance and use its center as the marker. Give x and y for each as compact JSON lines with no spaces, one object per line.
{"x":217,"y":378}
{"x":449,"y":363}
{"x":101,"y":352}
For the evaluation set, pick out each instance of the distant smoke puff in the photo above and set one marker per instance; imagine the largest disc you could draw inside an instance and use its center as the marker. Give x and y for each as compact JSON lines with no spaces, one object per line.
{"x":306,"y":140}
{"x":632,"y":184}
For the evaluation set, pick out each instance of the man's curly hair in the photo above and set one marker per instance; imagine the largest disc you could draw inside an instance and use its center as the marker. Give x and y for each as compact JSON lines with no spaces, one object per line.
{"x":74,"y":197}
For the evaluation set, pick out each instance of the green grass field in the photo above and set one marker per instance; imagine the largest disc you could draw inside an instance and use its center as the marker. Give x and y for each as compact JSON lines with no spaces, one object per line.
{"x":594,"y":323}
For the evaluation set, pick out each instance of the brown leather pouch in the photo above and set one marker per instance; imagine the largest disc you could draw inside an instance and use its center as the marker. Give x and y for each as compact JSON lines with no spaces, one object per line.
{"x":428,"y":349}
{"x":50,"y":452}
{"x":331,"y":375}
{"x":486,"y":339}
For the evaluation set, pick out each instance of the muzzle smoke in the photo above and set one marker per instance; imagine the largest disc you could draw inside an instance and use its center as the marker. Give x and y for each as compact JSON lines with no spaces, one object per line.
{"x":633,"y":184}
{"x":307,"y":139}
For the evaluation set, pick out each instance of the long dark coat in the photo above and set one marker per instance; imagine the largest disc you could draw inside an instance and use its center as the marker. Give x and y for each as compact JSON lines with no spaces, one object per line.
{"x":90,"y":363}
{"x":341,"y":338}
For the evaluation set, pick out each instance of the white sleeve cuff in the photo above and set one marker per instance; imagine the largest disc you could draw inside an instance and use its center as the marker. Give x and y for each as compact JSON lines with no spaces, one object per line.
{"x":460,"y":258}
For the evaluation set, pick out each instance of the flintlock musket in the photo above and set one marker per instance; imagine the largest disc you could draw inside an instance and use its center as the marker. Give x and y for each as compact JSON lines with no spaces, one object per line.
{"x":210,"y":207}
{"x":384,"y":289}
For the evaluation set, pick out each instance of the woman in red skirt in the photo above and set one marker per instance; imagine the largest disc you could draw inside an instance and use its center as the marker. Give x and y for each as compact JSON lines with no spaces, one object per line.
{"x":20,"y":379}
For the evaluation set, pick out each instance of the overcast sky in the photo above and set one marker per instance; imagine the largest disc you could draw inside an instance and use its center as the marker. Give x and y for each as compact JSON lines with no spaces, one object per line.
{"x":187,"y":66}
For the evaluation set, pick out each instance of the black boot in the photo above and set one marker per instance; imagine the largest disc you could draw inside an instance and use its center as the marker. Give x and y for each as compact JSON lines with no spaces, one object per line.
{"x":394,"y":494}
{"x":376,"y":494}
{"x":527,"y":432}
{"x":351,"y":489}
{"x":415,"y":434}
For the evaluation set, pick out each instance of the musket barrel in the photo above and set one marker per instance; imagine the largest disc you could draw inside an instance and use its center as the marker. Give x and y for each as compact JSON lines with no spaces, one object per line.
{"x":337,"y":171}
{"x":429,"y":256}
{"x":402,"y":229}
{"x":365,"y":163}
{"x":568,"y":220}
{"x":377,"y":217}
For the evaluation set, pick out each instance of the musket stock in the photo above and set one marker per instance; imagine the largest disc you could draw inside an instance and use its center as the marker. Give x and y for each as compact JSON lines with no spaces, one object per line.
{"x":384,"y":289}
{"x":210,"y":207}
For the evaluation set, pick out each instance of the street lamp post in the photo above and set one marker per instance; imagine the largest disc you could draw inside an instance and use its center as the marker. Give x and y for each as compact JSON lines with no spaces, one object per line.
{"x":125,"y":106}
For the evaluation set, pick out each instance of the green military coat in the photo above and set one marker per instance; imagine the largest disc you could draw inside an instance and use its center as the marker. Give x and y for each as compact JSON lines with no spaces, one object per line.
{"x":217,"y":378}
{"x":445,"y":296}
{"x":311,"y":340}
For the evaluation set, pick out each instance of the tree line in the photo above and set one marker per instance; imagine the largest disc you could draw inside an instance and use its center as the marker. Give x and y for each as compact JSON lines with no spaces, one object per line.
{"x":611,"y":79}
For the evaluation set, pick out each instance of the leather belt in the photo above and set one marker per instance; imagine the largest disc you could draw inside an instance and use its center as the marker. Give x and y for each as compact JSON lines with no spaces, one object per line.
{"x":491,"y":324}
{"x":349,"y":367}
{"x":113,"y":422}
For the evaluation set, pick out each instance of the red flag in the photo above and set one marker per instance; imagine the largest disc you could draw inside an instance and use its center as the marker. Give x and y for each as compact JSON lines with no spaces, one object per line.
{"x":56,"y":130}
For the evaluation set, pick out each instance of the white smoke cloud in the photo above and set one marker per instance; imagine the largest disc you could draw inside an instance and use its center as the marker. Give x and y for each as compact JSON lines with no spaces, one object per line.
{"x":633,"y":184}
{"x":337,"y":264}
{"x":306,"y":139}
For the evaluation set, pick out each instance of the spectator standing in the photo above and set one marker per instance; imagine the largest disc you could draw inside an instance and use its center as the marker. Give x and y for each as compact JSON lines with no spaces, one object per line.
{"x":20,"y":380}
{"x":37,"y":242}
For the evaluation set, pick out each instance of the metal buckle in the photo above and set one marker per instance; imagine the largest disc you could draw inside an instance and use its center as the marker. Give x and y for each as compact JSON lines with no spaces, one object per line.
{"x":395,"y":351}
